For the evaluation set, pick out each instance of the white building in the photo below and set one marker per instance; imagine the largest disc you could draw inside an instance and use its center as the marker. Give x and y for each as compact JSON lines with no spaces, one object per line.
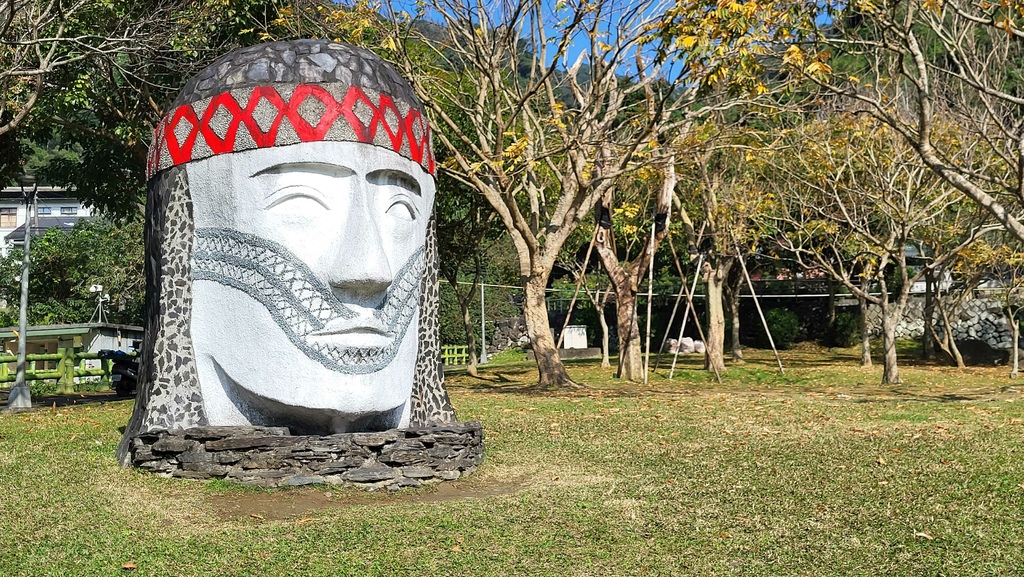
{"x":54,"y":208}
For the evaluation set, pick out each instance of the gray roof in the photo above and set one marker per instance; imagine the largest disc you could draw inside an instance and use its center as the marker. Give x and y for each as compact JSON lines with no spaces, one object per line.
{"x":42,"y":193}
{"x":44,"y":223}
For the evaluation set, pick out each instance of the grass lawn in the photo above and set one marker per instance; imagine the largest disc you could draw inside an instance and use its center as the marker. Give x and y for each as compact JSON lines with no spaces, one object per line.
{"x":820,"y":471}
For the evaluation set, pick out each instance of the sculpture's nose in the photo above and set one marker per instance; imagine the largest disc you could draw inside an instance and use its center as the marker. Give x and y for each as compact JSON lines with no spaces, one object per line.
{"x":356,"y":264}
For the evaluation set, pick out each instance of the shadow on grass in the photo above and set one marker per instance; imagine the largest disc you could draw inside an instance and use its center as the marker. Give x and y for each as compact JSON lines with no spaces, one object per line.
{"x":923,"y":398}
{"x":69,"y":400}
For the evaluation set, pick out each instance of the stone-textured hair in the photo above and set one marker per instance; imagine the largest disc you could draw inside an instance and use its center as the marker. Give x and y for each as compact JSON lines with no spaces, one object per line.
{"x":276,"y":94}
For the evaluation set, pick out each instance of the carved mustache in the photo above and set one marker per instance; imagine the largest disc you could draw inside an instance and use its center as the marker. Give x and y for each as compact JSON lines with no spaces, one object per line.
{"x":300,"y":303}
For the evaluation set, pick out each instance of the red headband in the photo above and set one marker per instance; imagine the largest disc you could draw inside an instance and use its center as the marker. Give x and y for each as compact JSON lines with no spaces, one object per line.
{"x":313,"y":112}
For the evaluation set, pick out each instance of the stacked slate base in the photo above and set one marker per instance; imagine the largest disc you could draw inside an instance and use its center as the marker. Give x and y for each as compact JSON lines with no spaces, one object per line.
{"x":272,"y":457}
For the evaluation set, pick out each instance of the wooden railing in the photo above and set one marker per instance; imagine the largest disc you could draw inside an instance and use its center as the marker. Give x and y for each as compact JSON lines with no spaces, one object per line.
{"x":70,"y":365}
{"x":452,"y":355}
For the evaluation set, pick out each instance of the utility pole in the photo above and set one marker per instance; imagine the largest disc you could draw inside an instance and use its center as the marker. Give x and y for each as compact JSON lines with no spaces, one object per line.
{"x":21,"y":395}
{"x":483,"y":326}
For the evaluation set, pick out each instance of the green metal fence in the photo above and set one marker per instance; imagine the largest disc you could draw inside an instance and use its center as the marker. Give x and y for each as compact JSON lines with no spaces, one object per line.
{"x":69,"y":366}
{"x":455,"y":355}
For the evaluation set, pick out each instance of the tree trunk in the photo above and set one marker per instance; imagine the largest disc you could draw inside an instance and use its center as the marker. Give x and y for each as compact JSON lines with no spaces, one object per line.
{"x":927,"y":339}
{"x":890,"y":368}
{"x":626,"y":277}
{"x":865,"y":334}
{"x":631,"y":365}
{"x":734,"y":310}
{"x":1015,"y":324}
{"x":714,"y":281}
{"x":623,"y":280}
{"x":551,"y":371}
{"x":948,"y":343}
{"x":467,"y":325}
{"x":603,"y":299}
{"x":732,"y":296}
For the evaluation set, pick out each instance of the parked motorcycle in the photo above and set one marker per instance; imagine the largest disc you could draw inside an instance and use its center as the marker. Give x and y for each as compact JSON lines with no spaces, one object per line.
{"x":124,"y":374}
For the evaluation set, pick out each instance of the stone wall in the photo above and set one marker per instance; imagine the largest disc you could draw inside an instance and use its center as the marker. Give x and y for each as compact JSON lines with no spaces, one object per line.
{"x":508,"y":334}
{"x":271,"y":457}
{"x":978,"y":319}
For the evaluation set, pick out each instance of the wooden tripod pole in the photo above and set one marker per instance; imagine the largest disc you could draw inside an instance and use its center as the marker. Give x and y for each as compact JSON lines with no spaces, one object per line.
{"x":757,"y":304}
{"x":675,"y":307}
{"x":686,"y":315}
{"x":650,"y":295}
{"x":579,"y":281}
{"x":700,"y":330}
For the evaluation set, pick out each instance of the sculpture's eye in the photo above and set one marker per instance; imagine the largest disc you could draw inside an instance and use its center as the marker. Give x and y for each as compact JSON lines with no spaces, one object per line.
{"x":298,"y":187}
{"x":394,"y":178}
{"x":297,"y":198}
{"x":402,"y":210}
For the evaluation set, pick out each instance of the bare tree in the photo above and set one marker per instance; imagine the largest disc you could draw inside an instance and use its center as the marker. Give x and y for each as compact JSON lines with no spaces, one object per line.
{"x":39,"y":38}
{"x":856,"y":197}
{"x":730,"y":204}
{"x":543,"y":108}
{"x":920,"y":64}
{"x":627,"y":272}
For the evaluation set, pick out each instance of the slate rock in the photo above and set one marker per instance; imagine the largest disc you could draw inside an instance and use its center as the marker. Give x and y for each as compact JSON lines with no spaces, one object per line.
{"x":208,"y":468}
{"x":304,"y":480}
{"x":143,"y":454}
{"x":418,"y":472}
{"x":174,"y":445}
{"x":234,"y":443}
{"x":181,"y":474}
{"x":211,"y":433}
{"x":370,"y":474}
{"x":376,"y":439}
{"x":195,"y":457}
{"x":405,"y":457}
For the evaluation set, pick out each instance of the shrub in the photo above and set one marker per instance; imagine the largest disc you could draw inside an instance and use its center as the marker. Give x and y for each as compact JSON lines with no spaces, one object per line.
{"x":785,"y":327}
{"x":844,"y":330}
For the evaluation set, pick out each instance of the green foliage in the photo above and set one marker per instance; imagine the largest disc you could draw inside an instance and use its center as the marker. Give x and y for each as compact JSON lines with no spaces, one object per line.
{"x":499,"y":302}
{"x":785,"y":327}
{"x":452,"y":329}
{"x":98,"y":113}
{"x":65,"y":264}
{"x":844,"y":330}
{"x":513,"y":355}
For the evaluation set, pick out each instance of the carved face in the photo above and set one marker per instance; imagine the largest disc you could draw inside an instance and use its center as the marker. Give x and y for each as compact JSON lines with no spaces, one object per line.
{"x":307,"y":263}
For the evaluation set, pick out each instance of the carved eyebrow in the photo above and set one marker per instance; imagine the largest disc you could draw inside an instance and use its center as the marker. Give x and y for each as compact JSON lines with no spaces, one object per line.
{"x":324,"y":168}
{"x":396,"y":178}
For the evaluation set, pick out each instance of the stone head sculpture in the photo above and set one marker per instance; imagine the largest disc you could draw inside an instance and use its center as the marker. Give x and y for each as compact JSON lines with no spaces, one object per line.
{"x":291,"y":264}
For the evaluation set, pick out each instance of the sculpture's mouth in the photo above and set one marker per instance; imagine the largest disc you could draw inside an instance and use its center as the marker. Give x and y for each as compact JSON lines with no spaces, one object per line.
{"x":327,"y":330}
{"x":367,"y":326}
{"x":361,"y":332}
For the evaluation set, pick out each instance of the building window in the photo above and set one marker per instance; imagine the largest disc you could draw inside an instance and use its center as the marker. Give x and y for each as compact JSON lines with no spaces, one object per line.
{"x":68,"y":210}
{"x":44,"y":211}
{"x":8,"y":217}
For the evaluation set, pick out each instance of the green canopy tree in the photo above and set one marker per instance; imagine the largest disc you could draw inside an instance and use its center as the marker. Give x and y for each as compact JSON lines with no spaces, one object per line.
{"x":66,"y":264}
